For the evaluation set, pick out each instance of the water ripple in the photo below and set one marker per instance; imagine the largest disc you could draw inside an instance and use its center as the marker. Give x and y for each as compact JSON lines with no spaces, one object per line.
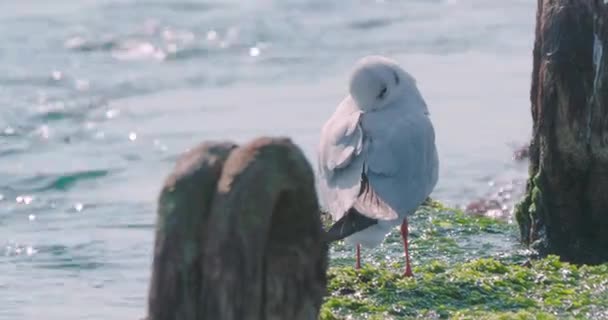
{"x":372,"y":23}
{"x":58,"y":182}
{"x":78,"y":43}
{"x":84,"y":256}
{"x":179,"y":7}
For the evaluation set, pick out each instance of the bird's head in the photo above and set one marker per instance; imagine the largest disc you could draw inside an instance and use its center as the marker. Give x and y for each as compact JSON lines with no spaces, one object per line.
{"x":378,"y":81}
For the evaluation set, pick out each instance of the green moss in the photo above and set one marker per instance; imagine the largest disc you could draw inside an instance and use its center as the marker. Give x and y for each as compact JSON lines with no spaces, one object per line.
{"x":530,"y":207}
{"x":465,"y":268}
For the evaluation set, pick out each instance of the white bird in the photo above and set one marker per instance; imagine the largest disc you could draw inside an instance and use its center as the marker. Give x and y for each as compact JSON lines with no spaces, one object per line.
{"x":377,"y":157}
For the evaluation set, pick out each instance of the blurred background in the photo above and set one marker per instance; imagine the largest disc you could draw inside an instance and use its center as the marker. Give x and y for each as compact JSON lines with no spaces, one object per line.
{"x":99,"y":97}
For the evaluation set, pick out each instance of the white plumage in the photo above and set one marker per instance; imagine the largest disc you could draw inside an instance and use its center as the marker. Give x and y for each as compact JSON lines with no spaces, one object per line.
{"x":382,"y":130}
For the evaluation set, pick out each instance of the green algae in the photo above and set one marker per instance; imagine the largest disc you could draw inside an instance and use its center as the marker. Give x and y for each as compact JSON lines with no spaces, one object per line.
{"x":530,"y":208}
{"x":465,"y":267}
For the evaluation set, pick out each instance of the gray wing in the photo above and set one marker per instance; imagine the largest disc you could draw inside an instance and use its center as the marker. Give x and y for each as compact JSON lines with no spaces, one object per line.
{"x":402,"y":163}
{"x":340,"y":161}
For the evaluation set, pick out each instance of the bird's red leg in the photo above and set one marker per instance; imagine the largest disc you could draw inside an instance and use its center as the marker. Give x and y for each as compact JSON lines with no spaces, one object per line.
{"x":404,"y":233}
{"x":358,"y":257}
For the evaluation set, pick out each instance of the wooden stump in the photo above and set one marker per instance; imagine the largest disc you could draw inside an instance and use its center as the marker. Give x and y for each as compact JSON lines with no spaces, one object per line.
{"x":239,"y":236}
{"x":565,"y":210}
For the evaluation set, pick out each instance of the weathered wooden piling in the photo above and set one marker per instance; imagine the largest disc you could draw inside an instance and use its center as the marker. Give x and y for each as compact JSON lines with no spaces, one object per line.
{"x":239,"y":236}
{"x":565,"y":210}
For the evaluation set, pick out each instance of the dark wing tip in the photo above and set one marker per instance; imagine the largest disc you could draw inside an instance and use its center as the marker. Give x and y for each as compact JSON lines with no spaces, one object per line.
{"x":350,"y":223}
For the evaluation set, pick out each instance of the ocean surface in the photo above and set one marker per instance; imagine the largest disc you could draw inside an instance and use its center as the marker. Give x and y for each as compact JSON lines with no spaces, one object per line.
{"x":99,"y":97}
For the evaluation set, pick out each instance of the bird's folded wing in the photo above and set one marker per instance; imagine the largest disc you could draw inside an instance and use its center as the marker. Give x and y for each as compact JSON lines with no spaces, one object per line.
{"x":399,"y":164}
{"x":341,"y":140}
{"x":340,"y":164}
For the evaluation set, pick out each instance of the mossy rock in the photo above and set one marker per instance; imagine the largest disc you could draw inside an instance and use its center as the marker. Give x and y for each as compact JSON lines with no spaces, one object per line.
{"x":465,"y":267}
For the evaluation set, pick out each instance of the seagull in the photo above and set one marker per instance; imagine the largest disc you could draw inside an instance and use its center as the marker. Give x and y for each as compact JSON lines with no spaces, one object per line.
{"x":377,"y":159}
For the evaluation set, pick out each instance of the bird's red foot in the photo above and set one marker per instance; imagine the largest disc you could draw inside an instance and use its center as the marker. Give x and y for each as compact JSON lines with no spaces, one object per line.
{"x":404,"y":233}
{"x":408,"y":272}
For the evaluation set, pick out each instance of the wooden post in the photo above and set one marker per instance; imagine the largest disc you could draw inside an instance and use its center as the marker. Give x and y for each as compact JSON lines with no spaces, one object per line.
{"x":239,"y":236}
{"x":565,"y":210}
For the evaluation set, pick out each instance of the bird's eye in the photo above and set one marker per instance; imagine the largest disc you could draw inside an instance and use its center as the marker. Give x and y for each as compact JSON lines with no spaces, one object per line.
{"x":382,"y":92}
